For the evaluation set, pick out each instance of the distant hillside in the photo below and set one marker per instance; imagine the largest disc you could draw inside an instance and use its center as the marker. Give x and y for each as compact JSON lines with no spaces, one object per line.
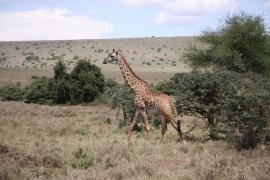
{"x":148,"y":57}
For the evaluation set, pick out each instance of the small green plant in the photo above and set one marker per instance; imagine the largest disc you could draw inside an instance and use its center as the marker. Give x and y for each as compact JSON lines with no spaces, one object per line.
{"x":100,"y":50}
{"x":82,"y":161}
{"x":3,"y":59}
{"x":31,"y":57}
{"x":76,"y":57}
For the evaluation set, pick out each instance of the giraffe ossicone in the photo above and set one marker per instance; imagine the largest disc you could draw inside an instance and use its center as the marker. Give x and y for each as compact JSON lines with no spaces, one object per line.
{"x":145,"y":96}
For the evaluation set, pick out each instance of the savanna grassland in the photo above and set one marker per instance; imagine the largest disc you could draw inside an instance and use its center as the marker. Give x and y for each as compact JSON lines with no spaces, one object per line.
{"x":153,"y":59}
{"x":84,"y":142}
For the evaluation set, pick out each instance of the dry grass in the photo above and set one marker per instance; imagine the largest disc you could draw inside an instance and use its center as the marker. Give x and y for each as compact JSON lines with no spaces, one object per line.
{"x":84,"y":142}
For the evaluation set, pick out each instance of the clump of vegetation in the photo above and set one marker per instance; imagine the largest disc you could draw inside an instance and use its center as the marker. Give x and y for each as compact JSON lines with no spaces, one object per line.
{"x":55,"y":57}
{"x":3,"y":59}
{"x":84,"y":84}
{"x":82,"y":161}
{"x":76,"y":57}
{"x":120,"y":96}
{"x":90,"y":80}
{"x":236,"y":106}
{"x":100,"y":50}
{"x":240,"y":45}
{"x":11,"y":93}
{"x":161,"y":59}
{"x":38,"y":91}
{"x":233,"y":94}
{"x":31,"y":57}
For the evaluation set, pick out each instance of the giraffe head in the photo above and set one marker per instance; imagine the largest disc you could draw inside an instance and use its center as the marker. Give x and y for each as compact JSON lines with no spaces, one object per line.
{"x":113,"y":56}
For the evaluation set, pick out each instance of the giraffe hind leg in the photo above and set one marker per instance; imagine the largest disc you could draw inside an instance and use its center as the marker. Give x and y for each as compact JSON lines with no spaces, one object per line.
{"x":163,"y":128}
{"x":179,"y":129}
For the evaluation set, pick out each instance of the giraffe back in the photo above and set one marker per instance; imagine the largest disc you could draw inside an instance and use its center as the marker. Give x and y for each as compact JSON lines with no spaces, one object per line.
{"x":163,"y":102}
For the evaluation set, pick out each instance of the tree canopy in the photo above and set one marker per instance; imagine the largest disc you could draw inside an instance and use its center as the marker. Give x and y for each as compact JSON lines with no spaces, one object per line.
{"x":240,"y":44}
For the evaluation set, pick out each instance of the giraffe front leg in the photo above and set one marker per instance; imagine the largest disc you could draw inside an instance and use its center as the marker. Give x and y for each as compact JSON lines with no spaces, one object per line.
{"x":133,"y":122}
{"x":146,"y":124}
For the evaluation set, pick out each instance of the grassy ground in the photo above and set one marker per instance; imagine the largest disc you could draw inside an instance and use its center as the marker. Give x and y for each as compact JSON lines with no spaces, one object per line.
{"x":84,"y":142}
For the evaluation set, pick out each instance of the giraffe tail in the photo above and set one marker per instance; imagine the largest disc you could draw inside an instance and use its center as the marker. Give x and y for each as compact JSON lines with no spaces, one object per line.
{"x":173,"y":105}
{"x":174,"y":110}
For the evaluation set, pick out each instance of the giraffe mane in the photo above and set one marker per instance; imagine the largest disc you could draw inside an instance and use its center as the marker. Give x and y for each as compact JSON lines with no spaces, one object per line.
{"x":132,"y":70}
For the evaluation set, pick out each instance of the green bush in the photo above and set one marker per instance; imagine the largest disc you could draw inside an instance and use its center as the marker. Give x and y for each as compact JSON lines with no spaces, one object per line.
{"x":38,"y":91}
{"x":247,"y":112}
{"x":59,"y":91}
{"x":241,"y":44}
{"x":89,"y":79}
{"x":11,"y":93}
{"x":84,"y":84}
{"x":236,"y":105}
{"x":60,"y":70}
{"x":119,"y":95}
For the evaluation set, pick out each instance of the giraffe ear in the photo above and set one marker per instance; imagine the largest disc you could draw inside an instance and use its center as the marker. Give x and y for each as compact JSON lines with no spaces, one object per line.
{"x":113,"y":50}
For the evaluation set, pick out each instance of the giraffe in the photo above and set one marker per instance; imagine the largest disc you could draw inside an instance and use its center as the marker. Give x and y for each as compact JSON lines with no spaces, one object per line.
{"x":146,"y":97}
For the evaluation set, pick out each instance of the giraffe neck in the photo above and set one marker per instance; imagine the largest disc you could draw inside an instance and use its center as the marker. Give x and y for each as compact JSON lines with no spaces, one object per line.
{"x":131,"y":79}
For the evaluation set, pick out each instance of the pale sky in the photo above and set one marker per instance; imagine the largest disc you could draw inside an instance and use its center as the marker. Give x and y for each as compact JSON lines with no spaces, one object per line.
{"x":91,"y":19}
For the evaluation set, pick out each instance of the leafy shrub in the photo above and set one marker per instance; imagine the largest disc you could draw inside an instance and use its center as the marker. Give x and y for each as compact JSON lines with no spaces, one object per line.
{"x":241,"y":44}
{"x":84,"y":84}
{"x":38,"y":91}
{"x":60,"y":70}
{"x":120,"y":95}
{"x":31,"y":57}
{"x":89,"y":79}
{"x":59,"y":90}
{"x":236,"y":105}
{"x":11,"y":93}
{"x":247,"y":112}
